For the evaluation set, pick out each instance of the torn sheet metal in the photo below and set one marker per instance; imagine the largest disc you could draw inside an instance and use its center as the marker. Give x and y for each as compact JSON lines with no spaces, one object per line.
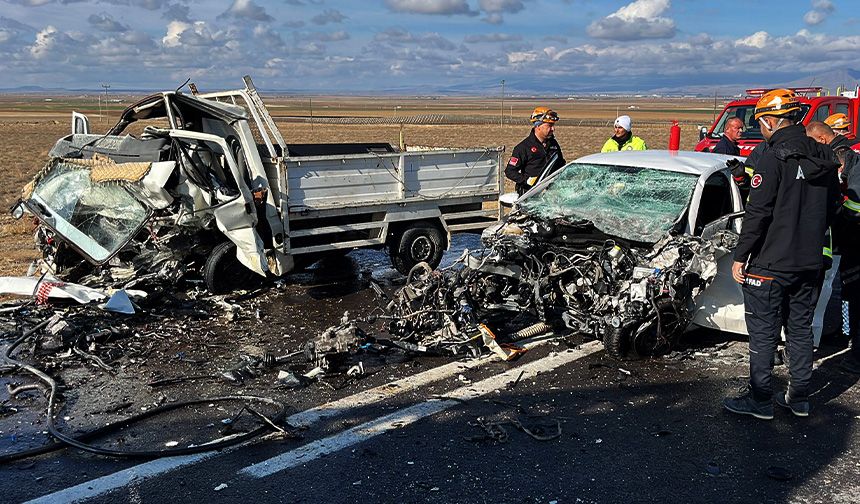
{"x":52,"y":288}
{"x":139,"y":205}
{"x":565,"y":273}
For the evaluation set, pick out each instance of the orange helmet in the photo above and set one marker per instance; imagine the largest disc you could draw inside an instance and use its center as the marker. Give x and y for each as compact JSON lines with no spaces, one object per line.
{"x":544,"y":114}
{"x":838,"y":121}
{"x":778,"y":102}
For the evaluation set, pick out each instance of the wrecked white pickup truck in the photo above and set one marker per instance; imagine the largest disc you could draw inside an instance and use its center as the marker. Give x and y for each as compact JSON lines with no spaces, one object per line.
{"x":207,"y":181}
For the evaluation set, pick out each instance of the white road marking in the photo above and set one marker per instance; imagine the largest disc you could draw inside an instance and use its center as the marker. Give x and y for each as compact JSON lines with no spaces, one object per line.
{"x":147,"y":470}
{"x":383,"y":392}
{"x":412,"y":414}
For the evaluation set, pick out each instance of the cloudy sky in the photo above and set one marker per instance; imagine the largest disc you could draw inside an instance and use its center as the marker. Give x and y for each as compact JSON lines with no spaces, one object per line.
{"x":378,"y":45}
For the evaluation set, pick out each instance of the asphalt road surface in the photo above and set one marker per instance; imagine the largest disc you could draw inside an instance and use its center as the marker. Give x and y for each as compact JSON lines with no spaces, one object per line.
{"x":565,"y":423}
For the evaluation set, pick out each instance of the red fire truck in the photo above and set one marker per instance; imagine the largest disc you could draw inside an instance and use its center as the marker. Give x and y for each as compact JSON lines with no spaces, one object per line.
{"x":814,"y":107}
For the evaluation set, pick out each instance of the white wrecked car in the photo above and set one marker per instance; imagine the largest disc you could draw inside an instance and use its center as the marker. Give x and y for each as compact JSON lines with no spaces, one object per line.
{"x":622,"y":246}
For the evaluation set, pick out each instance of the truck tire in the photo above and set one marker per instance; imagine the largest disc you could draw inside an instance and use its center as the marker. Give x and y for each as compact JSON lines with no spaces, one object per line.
{"x":421,"y":242}
{"x":305,"y":261}
{"x":224,"y":273}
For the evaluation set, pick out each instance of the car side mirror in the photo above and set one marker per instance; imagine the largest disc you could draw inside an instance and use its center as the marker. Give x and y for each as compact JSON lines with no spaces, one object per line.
{"x":17,"y":210}
{"x":723,"y":223}
{"x":508,"y":199}
{"x":703,"y":130}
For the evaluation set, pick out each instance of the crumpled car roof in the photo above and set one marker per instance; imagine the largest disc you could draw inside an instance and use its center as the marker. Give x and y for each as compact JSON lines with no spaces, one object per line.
{"x":695,"y":163}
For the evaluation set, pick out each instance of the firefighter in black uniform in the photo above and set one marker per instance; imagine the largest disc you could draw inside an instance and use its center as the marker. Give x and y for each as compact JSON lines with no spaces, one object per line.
{"x":846,"y":231}
{"x":538,"y":155}
{"x":794,"y":195}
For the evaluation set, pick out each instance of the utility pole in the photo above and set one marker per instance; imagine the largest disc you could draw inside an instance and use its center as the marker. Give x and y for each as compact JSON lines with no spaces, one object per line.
{"x":106,"y":86}
{"x":715,"y":107}
{"x":311,"y":106}
{"x":502,"y":107}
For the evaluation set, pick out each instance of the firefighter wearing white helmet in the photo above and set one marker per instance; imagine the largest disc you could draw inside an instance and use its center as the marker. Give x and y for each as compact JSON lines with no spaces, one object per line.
{"x":794,"y":196}
{"x":538,"y":155}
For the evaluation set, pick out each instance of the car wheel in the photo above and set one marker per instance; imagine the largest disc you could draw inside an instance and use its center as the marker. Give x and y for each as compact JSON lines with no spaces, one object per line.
{"x":615,"y":340}
{"x":661,"y":333}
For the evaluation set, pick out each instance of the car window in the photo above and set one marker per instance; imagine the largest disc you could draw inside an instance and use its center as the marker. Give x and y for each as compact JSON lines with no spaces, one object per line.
{"x":841,"y":108}
{"x":746,"y":113}
{"x":821,"y":113}
{"x":637,"y":204}
{"x":716,"y":201}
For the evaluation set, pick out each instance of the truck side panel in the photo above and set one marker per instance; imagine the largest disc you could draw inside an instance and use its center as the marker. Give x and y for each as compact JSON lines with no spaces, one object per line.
{"x":320,"y":182}
{"x":433,"y":175}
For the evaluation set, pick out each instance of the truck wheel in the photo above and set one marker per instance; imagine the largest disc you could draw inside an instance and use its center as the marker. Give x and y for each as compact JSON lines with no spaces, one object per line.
{"x":224,"y":273}
{"x":418,"y":243}
{"x":305,"y":261}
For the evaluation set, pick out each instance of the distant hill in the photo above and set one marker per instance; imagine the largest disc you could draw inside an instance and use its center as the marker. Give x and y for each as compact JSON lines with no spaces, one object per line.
{"x":845,"y":78}
{"x":724,"y":85}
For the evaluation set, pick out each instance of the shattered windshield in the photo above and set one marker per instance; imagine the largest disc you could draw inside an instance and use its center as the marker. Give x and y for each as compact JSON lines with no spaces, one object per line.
{"x":638,"y":204}
{"x":98,"y":218}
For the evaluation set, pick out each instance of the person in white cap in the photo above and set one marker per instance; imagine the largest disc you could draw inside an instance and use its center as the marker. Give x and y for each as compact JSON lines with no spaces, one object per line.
{"x":623,"y":138}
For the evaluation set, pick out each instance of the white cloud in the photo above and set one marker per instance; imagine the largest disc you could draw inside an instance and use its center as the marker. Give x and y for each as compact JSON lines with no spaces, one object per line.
{"x":439,"y":7}
{"x":491,"y":37}
{"x":758,"y":40}
{"x":268,"y":38}
{"x":328,"y":16}
{"x":517,"y":58}
{"x":45,"y":40}
{"x":494,"y":18}
{"x":337,"y":36}
{"x":31,"y":3}
{"x":106,"y":23}
{"x":495,"y":8}
{"x":510,"y":6}
{"x":821,"y":9}
{"x":638,"y":20}
{"x":174,"y":31}
{"x":246,"y":9}
{"x":151,"y":5}
{"x":177,"y":12}
{"x":399,"y":36}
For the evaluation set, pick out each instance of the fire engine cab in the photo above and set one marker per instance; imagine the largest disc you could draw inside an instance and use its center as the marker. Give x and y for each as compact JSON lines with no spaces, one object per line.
{"x":814,"y":107}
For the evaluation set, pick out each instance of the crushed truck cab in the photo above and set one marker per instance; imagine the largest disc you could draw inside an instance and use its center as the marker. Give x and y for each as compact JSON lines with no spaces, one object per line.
{"x":207,"y":181}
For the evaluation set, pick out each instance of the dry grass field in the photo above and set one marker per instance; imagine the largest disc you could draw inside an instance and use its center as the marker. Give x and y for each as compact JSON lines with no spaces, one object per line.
{"x":29,"y":126}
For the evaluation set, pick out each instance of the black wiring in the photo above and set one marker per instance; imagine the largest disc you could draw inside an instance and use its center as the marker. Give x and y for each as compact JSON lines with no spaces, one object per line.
{"x":80,"y":442}
{"x":183,"y":84}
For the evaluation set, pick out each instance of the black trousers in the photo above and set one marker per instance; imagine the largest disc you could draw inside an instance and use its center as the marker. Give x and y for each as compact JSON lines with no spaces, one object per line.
{"x":849,"y":269}
{"x":774,"y":298}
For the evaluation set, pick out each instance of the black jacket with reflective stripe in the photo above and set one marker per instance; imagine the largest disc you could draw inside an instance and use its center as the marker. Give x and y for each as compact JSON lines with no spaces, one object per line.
{"x":529,"y":159}
{"x":794,"y":196}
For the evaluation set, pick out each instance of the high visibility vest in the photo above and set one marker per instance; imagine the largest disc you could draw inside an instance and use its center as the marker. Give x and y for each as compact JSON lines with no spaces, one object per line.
{"x":632,"y":143}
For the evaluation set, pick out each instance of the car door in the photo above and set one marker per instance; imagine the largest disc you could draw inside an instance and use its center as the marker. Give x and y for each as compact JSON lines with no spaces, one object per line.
{"x":721,"y":305}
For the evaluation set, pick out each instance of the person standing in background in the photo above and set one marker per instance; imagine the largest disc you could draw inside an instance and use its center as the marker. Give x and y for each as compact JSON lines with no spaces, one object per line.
{"x":623,"y":139}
